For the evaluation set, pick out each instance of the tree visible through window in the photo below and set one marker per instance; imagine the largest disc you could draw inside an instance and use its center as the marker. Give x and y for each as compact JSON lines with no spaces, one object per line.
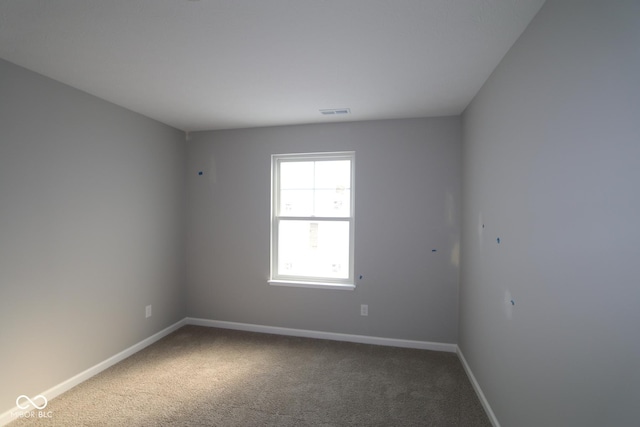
{"x":312,"y":218}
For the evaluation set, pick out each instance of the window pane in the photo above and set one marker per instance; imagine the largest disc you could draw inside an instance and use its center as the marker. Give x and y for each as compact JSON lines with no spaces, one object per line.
{"x":296,"y":188}
{"x":333,"y":174}
{"x":296,"y":175}
{"x":296,"y":202}
{"x":316,"y":188}
{"x":335,"y":202}
{"x":333,"y":188}
{"x":314,"y":249}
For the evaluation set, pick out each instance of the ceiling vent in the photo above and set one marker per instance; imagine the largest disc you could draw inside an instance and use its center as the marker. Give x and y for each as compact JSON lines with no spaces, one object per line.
{"x":336,"y":111}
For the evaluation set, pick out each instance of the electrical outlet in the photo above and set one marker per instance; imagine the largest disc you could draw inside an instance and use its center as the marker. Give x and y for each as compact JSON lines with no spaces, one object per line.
{"x":147,"y":311}
{"x":364,"y":310}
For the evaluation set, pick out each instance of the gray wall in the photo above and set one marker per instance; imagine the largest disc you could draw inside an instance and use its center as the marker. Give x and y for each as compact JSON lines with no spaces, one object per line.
{"x":91,"y":231}
{"x":407,"y":203}
{"x":551,"y":165}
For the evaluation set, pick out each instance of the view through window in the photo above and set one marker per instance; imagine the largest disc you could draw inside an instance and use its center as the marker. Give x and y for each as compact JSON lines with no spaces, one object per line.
{"x":312,"y":218}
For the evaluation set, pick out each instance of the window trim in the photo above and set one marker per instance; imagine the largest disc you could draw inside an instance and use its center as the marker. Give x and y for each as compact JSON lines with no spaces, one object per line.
{"x":306,"y":281}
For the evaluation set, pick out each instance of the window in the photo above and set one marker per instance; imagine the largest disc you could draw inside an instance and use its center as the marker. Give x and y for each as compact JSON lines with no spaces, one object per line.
{"x":312,"y":220}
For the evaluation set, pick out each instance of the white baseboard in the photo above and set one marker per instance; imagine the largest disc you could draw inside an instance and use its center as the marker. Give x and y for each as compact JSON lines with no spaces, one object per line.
{"x":476,"y":387}
{"x":362,"y":339}
{"x":5,"y":418}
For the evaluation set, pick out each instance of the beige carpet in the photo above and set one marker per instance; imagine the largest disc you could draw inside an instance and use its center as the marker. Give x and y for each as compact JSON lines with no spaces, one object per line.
{"x":201,"y":376}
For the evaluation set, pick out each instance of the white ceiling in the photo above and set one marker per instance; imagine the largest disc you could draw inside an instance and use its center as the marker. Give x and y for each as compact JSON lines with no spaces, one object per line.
{"x":218,"y":64}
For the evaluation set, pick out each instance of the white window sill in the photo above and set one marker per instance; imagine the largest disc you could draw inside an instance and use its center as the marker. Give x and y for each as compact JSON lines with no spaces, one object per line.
{"x":316,"y":285}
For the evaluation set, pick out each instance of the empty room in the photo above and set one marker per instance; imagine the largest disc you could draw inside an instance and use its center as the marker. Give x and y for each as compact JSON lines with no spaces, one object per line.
{"x":320,"y":213}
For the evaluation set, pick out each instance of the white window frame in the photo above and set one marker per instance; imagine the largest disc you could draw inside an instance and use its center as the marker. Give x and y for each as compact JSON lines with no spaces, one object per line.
{"x":278,"y":279}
